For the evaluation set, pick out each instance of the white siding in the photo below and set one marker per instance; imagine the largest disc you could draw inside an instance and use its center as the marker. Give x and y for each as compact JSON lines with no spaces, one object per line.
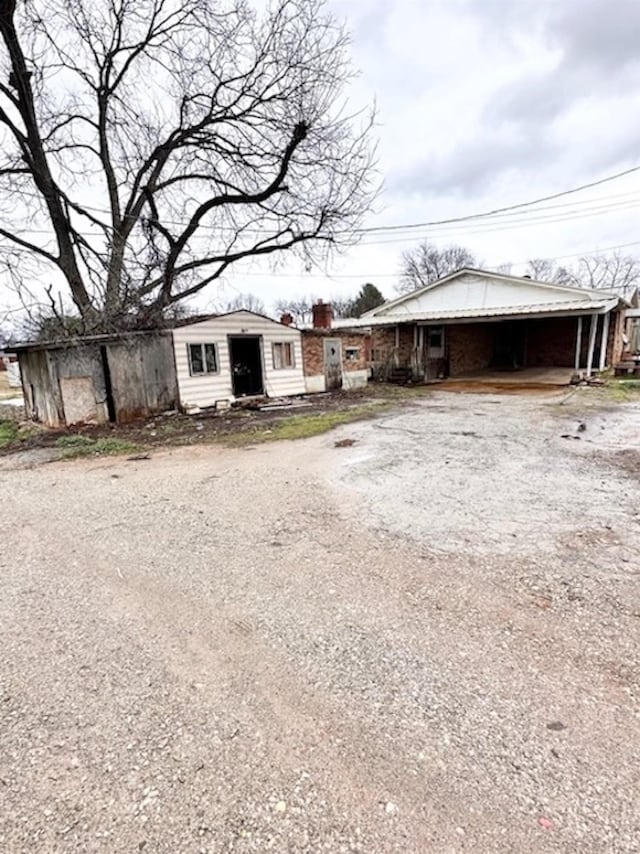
{"x":354,"y":379}
{"x":316,"y":384}
{"x":469,"y":292}
{"x":206,"y":389}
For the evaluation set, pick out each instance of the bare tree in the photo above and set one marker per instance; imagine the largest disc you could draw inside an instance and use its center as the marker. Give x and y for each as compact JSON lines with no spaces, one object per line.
{"x":148,"y":145}
{"x":545,"y":270}
{"x":300,"y":308}
{"x":428,"y":263}
{"x":342,"y":306}
{"x":616,"y":272}
{"x":250,"y":302}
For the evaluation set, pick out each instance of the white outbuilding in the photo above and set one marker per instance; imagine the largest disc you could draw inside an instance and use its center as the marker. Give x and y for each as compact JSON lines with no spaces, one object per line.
{"x":223,"y":358}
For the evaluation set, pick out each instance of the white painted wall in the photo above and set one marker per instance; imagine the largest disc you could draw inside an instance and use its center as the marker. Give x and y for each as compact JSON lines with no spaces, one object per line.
{"x":207,"y":389}
{"x":470,"y":292}
{"x":315,"y":384}
{"x":350,"y":379}
{"x":354,"y":379}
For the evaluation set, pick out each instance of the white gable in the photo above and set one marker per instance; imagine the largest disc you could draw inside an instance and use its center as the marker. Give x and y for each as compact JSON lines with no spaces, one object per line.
{"x":470,"y":291}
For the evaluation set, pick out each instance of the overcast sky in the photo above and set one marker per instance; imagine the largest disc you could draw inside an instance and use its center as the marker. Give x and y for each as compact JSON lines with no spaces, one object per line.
{"x":482,"y":104}
{"x":485,"y":103}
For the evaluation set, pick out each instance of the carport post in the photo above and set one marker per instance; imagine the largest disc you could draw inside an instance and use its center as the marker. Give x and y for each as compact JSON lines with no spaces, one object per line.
{"x":603,"y":343}
{"x":592,"y":343}
{"x":578,"y":343}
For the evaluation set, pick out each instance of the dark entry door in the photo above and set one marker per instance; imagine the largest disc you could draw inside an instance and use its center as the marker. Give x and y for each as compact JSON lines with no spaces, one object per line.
{"x":509,"y":345}
{"x":246,"y":365}
{"x":332,"y":363}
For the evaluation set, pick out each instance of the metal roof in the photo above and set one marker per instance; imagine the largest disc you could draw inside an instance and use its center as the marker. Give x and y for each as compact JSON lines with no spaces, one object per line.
{"x":580,"y":293}
{"x":571,"y":307}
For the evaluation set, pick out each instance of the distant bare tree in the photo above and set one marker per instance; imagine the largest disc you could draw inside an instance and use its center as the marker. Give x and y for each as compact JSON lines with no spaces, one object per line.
{"x":505,"y":269}
{"x":544,"y":270}
{"x":428,"y":263}
{"x":250,"y":302}
{"x":300,"y":308}
{"x":616,"y":272}
{"x":342,"y":306}
{"x":147,"y":146}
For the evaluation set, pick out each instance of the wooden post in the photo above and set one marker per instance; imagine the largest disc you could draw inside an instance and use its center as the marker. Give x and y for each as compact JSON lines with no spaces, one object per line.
{"x":592,"y":343}
{"x":578,"y":344}
{"x":604,"y":341}
{"x":396,"y":351}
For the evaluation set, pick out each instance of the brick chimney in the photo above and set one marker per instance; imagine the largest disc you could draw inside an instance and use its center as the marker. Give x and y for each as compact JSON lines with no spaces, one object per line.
{"x":287,"y":319}
{"x":322,"y":315}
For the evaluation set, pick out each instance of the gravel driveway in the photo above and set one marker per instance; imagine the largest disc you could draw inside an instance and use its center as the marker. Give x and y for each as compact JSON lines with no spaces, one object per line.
{"x":425,"y":642}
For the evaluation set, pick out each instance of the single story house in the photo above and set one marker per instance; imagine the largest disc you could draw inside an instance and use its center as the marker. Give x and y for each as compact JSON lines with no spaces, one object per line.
{"x":240,"y":354}
{"x":222,"y":358}
{"x":98,"y":379}
{"x":474,"y":320}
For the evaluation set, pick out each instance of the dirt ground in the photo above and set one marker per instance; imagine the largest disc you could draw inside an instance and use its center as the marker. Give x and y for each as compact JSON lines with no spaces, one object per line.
{"x":424,"y":641}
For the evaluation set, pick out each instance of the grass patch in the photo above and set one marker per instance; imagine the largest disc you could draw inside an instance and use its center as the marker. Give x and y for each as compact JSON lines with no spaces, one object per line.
{"x":304,"y":426}
{"x":623,"y":391}
{"x":10,"y":431}
{"x":83,"y":446}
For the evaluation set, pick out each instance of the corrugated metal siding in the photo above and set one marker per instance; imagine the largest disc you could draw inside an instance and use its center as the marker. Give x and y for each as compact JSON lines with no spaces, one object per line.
{"x":207,"y":389}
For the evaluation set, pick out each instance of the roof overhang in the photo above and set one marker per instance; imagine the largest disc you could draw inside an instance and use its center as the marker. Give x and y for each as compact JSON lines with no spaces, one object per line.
{"x":532,"y":312}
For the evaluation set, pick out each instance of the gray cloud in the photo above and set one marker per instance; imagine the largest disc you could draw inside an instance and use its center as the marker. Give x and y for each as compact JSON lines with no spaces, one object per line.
{"x":598,"y":58}
{"x":473,"y":167}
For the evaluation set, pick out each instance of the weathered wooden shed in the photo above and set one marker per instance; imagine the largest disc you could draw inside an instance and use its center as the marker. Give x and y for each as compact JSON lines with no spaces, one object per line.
{"x":98,"y":379}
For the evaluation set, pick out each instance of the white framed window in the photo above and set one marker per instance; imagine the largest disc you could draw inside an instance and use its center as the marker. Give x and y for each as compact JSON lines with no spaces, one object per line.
{"x":283,"y":355}
{"x":351,"y":354}
{"x":203,"y":359}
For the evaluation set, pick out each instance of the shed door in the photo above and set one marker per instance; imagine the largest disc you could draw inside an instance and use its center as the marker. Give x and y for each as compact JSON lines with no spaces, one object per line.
{"x":78,"y":400}
{"x":332,"y":363}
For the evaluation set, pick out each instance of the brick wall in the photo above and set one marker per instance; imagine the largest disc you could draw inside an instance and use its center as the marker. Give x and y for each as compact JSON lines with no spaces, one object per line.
{"x":552,"y":342}
{"x":313,"y":350}
{"x":383,"y":342}
{"x":469,"y":347}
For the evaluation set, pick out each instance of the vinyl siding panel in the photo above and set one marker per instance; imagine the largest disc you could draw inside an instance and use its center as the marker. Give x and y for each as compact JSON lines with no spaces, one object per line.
{"x":206,"y":389}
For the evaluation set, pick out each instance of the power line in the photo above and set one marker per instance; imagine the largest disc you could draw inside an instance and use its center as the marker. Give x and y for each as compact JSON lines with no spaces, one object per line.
{"x":512,"y":224}
{"x":508,"y":207}
{"x":470,"y":227}
{"x":373,"y":276}
{"x":494,"y":213}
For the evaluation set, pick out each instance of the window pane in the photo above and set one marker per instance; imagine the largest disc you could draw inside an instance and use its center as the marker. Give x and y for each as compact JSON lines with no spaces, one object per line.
{"x":210,"y":358}
{"x":282,"y":354}
{"x":277,"y":355}
{"x":196,"y":362}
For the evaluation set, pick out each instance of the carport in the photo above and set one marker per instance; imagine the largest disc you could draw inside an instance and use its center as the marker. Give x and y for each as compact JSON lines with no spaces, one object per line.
{"x":474,"y":321}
